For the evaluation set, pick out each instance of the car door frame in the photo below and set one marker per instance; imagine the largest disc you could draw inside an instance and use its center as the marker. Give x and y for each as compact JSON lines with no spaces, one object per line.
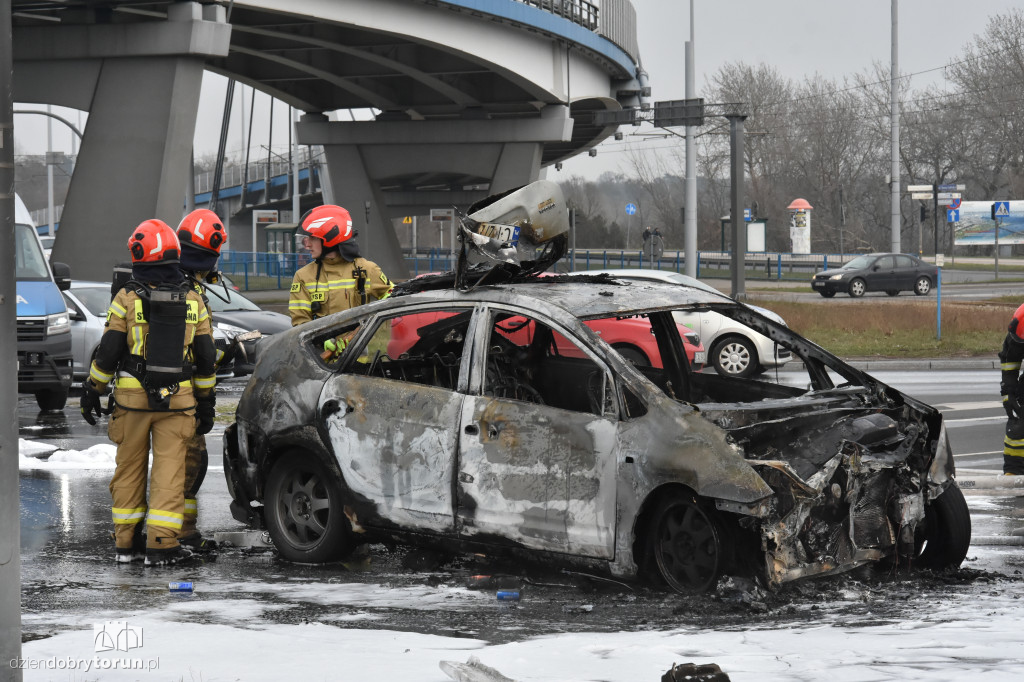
{"x":497,"y":451}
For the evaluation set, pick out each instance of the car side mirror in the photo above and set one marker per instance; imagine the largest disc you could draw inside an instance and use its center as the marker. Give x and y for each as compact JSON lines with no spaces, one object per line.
{"x":62,"y":276}
{"x":75,"y":316}
{"x":875,"y":268}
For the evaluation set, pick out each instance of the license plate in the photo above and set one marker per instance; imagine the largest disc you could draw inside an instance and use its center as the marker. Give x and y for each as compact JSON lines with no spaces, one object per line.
{"x":817,"y":284}
{"x":700,"y":357}
{"x":507,"y":234}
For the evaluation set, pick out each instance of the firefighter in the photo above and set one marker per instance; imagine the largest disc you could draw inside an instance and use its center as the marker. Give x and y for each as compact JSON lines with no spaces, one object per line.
{"x":1012,"y":390}
{"x":338,"y":278}
{"x":156,"y":329}
{"x":201,"y":234}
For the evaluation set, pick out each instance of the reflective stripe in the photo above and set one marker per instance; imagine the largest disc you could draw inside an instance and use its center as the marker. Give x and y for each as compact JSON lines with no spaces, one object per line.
{"x":299,"y":305}
{"x":204,"y":382}
{"x":1009,"y":366}
{"x":1013,"y":447}
{"x":116,"y":309}
{"x":164,"y":519}
{"x":191,"y":507}
{"x":138,"y":341}
{"x":124,"y":515}
{"x":100,"y":376}
{"x":132,"y":382}
{"x":331,"y":284}
{"x":205,"y":315}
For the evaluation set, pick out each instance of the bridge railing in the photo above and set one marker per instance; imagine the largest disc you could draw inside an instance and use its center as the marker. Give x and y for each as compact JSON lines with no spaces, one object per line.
{"x":577,"y":11}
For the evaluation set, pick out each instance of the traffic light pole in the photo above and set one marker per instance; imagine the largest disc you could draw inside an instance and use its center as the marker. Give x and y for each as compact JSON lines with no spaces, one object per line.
{"x":739,"y":233}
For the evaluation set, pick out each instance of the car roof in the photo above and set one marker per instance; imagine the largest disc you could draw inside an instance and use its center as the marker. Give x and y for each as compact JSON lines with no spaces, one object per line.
{"x":582,"y":297}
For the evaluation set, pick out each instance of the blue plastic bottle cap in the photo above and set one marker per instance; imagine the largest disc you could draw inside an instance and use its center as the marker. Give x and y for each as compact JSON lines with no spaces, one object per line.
{"x":179,"y":587}
{"x":508,"y":595}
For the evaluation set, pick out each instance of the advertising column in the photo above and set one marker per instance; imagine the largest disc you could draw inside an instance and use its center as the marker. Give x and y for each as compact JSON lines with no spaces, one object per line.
{"x":800,"y":225}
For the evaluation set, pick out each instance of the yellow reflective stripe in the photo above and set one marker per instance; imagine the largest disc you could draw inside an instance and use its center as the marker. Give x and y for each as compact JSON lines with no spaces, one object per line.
{"x":299,"y":305}
{"x":164,"y":519}
{"x":220,"y":356}
{"x":132,"y":382}
{"x":116,"y":309}
{"x":137,"y":340}
{"x":1013,"y":447}
{"x":204,"y":382}
{"x":126,"y":515}
{"x":205,"y":315}
{"x":191,"y":506}
{"x":1007,"y":366}
{"x":140,"y":317}
{"x":192,"y":315}
{"x":99,"y":375}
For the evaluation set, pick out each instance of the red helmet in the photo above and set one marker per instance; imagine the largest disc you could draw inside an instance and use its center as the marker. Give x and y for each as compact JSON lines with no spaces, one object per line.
{"x":329,"y":223}
{"x":154,"y":242}
{"x":202,"y":229}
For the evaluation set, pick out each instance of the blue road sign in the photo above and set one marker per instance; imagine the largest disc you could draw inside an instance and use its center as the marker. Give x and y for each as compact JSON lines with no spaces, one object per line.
{"x":630,"y":209}
{"x":746,"y":215}
{"x":953,"y":215}
{"x":1002,"y":209}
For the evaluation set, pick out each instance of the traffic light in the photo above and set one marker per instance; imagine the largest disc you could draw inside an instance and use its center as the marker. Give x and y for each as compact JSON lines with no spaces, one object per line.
{"x":924,"y":213}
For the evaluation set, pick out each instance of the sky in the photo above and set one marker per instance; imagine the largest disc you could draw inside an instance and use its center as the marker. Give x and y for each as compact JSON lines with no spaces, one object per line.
{"x":799,"y":37}
{"x":211,"y":634}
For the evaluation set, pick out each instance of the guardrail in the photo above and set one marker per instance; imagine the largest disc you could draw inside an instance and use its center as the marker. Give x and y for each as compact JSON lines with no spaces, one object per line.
{"x":262,"y":271}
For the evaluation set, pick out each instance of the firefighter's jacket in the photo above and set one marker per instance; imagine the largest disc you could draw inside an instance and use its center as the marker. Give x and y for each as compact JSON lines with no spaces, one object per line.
{"x":334,"y":284}
{"x":125,"y":341}
{"x":1011,"y":355}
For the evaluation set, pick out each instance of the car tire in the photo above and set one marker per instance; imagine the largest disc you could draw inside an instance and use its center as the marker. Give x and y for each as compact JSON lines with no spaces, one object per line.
{"x":686,"y":544}
{"x":51,"y":399}
{"x":634,"y":355}
{"x":893,"y":292}
{"x":305,"y":510}
{"x":734,"y":356}
{"x":827,"y":294}
{"x":947,"y":532}
{"x":857,"y":287}
{"x":922,"y":285}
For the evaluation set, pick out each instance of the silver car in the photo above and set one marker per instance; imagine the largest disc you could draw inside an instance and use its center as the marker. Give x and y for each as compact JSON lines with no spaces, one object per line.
{"x":733,"y":349}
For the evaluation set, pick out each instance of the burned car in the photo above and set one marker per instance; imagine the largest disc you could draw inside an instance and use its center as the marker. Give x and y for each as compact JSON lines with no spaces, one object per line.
{"x":480,"y":437}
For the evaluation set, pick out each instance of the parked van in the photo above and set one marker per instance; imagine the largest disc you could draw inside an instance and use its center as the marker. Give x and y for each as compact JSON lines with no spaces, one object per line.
{"x":44,"y":339}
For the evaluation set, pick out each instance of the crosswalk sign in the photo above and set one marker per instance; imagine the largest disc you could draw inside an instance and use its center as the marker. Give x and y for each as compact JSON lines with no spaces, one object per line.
{"x":1001,"y":209}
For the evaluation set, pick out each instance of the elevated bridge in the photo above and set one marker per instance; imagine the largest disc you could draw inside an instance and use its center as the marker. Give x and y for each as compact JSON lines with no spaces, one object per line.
{"x":469,"y":97}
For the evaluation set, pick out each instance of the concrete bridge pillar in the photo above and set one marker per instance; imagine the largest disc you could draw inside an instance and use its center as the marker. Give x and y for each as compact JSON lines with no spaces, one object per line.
{"x":363,"y":156}
{"x":140,"y":83}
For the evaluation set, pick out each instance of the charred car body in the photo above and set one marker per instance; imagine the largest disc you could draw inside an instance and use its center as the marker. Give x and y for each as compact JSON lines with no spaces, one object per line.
{"x":480,"y":437}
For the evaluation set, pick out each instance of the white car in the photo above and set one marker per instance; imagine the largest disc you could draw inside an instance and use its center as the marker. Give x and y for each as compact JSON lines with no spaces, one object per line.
{"x":733,"y":349}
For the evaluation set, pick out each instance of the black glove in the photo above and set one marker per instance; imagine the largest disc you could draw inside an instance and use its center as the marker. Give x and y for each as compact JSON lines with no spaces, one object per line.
{"x":90,"y":402}
{"x":205,"y":414}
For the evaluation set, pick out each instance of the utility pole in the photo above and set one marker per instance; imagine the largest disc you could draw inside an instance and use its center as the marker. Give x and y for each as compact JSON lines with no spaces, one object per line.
{"x":690,"y":205}
{"x":10,"y":513}
{"x":894,"y":117}
{"x":739,"y":231}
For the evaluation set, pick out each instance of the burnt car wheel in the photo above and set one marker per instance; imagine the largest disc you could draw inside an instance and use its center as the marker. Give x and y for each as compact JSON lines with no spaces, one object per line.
{"x":686,"y":545}
{"x":857,"y":287}
{"x":947,"y":532}
{"x":734,"y":356}
{"x":827,"y":294}
{"x":304,"y":510}
{"x":922,"y":285}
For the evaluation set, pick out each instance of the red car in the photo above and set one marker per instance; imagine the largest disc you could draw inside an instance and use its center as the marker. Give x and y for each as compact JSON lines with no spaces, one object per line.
{"x":630,"y":336}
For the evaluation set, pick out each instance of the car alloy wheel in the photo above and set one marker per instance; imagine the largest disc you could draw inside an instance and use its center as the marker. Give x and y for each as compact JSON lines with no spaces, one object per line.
{"x":686,"y":545}
{"x":857,"y":288}
{"x":304,"y":510}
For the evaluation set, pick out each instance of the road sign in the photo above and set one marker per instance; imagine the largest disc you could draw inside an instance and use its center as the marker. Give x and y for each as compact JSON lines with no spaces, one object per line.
{"x":746,"y":215}
{"x":1001,"y":209}
{"x":953,"y":215}
{"x":922,"y":195}
{"x":949,"y":195}
{"x":946,"y":202}
{"x":441,"y":215}
{"x":920,"y":188}
{"x":955,"y":203}
{"x":952,"y":188}
{"x":630,"y":209}
{"x":407,"y":220}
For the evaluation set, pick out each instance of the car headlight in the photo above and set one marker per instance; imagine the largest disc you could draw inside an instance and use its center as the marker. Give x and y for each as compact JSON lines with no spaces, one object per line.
{"x":835,"y":277}
{"x":229,"y":330}
{"x":58,"y":323}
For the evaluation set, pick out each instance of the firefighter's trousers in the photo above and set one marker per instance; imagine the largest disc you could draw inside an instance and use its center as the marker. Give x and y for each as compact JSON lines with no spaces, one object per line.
{"x":196,"y":462}
{"x":133,"y":432}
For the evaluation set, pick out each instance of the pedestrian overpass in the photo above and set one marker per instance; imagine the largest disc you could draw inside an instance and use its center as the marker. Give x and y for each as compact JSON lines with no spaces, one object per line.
{"x":468,"y":97}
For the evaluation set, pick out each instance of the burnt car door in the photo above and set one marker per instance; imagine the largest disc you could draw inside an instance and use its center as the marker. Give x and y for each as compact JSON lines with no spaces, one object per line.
{"x":538,"y":447}
{"x":391,"y":414}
